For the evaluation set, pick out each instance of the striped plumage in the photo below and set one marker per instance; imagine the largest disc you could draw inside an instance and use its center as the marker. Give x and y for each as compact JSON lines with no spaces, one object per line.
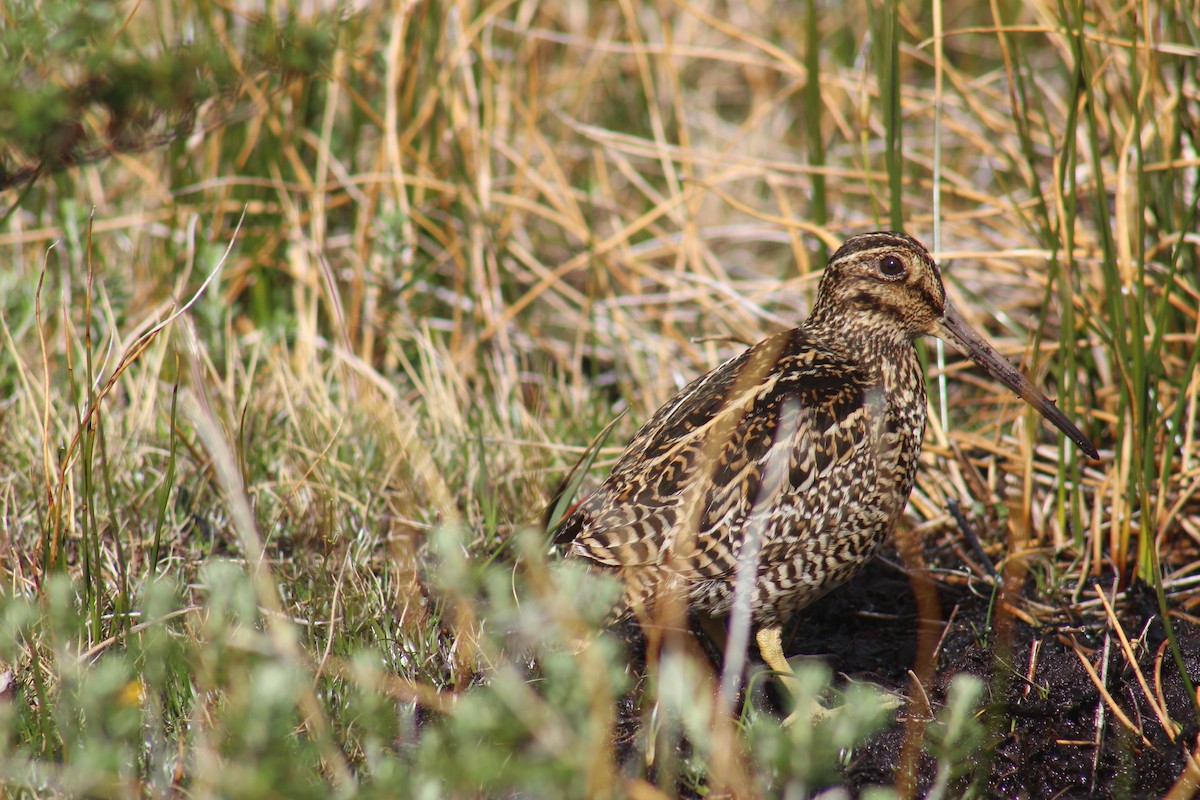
{"x":800,"y":453}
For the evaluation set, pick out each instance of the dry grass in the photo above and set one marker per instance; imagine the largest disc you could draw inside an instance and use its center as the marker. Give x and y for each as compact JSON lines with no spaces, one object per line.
{"x":478,"y":232}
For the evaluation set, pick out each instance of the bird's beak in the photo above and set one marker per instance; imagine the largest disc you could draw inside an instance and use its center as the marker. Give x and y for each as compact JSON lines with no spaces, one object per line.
{"x":954,"y":329}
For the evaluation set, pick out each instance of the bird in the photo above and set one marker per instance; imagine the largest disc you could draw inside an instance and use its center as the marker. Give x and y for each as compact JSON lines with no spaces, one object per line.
{"x":791,"y":461}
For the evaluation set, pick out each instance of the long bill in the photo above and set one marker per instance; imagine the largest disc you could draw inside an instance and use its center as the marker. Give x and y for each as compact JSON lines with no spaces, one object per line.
{"x":954,"y":329}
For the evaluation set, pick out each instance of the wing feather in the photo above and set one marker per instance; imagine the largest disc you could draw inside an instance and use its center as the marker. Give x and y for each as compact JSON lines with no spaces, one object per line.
{"x":722,"y":456}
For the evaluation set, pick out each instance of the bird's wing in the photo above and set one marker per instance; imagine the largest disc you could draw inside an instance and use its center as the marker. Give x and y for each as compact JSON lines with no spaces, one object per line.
{"x":716,"y":458}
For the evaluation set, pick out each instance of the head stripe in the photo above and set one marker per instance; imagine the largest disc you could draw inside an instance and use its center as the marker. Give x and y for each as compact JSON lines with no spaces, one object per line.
{"x":880,"y":241}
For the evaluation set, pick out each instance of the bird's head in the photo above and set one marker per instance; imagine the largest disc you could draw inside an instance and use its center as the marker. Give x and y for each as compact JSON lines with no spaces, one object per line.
{"x":884,"y":281}
{"x":885,"y":285}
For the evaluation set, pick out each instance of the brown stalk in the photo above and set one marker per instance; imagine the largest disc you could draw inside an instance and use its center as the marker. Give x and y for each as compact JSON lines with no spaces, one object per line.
{"x":1108,"y":699}
{"x":1171,"y":727}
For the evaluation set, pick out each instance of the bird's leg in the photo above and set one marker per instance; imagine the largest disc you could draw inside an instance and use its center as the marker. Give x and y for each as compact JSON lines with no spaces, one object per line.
{"x":770,"y":645}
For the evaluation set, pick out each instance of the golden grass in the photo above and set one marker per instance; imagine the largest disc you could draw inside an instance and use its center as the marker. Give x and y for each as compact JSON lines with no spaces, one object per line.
{"x":487,"y":228}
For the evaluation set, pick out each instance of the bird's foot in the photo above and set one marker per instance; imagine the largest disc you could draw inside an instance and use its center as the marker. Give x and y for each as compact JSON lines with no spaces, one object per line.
{"x":830,"y":704}
{"x":812,"y":699}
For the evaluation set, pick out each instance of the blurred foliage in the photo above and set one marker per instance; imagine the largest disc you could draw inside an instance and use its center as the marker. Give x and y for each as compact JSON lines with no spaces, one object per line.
{"x":203,"y":698}
{"x":81,"y":84}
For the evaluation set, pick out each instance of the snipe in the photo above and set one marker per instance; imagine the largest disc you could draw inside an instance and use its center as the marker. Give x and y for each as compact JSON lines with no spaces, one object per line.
{"x":798,"y":454}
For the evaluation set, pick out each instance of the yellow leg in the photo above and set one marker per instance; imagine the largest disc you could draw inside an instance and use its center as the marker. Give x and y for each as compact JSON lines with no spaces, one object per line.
{"x":770,"y":644}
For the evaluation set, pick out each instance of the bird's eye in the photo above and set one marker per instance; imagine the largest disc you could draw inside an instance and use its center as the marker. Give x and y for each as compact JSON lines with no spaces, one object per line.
{"x":890,"y":267}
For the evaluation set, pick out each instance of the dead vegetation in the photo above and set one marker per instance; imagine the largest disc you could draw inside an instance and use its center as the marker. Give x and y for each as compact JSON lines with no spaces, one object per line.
{"x":469,"y":235}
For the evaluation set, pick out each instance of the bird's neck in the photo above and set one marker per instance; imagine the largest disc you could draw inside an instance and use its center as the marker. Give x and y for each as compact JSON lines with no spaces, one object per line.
{"x":884,"y":350}
{"x":887,"y":354}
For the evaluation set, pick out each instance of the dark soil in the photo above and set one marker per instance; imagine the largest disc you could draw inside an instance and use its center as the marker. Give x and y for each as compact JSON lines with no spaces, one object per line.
{"x":1041,"y":707}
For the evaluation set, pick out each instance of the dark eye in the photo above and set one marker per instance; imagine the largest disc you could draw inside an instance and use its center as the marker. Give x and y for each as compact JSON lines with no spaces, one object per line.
{"x":890,"y":267}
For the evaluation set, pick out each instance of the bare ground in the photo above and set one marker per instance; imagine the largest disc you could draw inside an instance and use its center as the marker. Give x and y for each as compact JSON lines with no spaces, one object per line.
{"x":1049,"y":733}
